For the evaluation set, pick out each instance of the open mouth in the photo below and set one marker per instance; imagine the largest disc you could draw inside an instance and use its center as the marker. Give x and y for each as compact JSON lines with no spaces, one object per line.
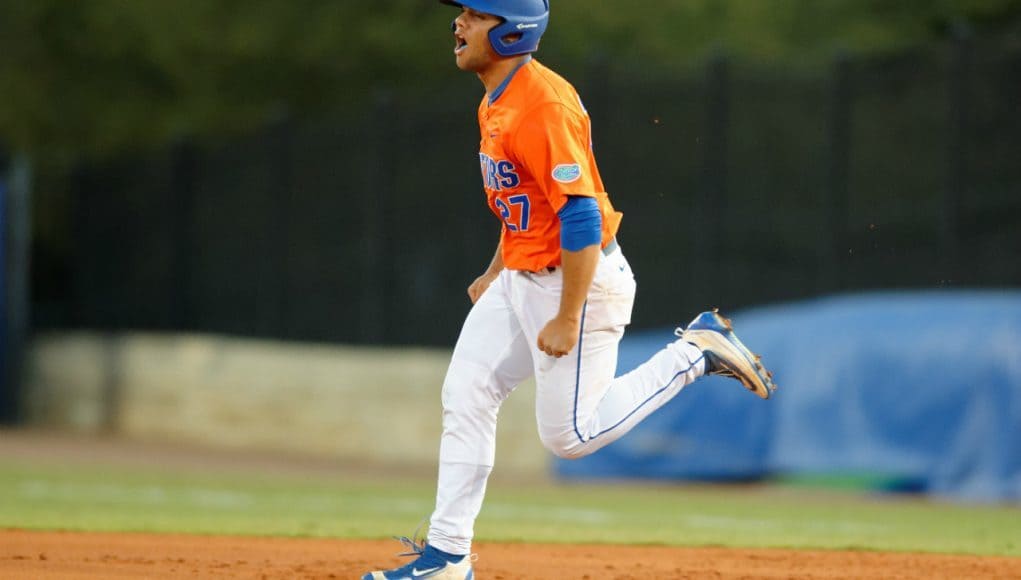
{"x":460,"y":44}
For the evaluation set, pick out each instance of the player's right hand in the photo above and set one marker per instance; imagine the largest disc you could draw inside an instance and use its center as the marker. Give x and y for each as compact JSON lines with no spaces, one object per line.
{"x":480,"y":284}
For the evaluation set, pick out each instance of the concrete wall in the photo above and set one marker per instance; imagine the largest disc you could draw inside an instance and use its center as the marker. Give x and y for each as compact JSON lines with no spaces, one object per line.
{"x":355,"y":404}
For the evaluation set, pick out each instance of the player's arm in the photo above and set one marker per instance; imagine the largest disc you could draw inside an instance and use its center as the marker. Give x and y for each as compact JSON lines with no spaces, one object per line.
{"x":482,"y":282}
{"x":580,"y":237}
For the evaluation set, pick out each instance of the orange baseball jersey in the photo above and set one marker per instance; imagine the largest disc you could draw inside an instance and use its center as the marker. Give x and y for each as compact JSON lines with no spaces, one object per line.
{"x":536,"y":150}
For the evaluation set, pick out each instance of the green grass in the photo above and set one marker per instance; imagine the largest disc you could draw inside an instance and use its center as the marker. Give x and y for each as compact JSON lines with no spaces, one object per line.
{"x":91,"y":498}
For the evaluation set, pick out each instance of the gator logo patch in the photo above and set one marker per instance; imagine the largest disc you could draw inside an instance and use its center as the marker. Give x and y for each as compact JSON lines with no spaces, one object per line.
{"x":566,"y":173}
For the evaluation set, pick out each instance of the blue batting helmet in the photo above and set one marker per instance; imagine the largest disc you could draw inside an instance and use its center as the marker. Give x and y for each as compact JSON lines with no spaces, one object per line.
{"x":527,"y":18}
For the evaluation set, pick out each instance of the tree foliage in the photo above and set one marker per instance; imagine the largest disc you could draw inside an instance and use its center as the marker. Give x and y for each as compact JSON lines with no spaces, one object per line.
{"x":105,"y":76}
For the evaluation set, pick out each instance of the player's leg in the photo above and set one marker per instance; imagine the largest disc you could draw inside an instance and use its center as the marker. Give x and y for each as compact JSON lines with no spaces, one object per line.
{"x":490,"y":359}
{"x":603,"y":408}
{"x":580,"y":407}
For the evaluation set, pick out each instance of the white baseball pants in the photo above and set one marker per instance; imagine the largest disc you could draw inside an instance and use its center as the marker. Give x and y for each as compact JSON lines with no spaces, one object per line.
{"x":580,"y":406}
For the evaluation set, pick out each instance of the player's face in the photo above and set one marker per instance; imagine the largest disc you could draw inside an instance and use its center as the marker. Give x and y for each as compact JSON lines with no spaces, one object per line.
{"x":472,"y":50}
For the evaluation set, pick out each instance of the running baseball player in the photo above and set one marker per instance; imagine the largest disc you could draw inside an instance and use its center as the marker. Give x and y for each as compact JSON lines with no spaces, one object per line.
{"x":556,"y":297}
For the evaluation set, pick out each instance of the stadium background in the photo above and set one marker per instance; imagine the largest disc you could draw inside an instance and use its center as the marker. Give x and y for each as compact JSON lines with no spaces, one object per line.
{"x":306,"y":176}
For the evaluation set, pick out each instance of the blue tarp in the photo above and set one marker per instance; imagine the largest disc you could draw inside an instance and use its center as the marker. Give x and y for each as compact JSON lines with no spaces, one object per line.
{"x":924,"y":387}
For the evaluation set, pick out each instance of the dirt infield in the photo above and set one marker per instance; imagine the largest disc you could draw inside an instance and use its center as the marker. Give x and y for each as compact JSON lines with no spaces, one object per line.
{"x":74,"y":556}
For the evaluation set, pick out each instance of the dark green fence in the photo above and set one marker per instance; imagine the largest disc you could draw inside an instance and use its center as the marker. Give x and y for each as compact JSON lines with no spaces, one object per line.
{"x":740,"y":185}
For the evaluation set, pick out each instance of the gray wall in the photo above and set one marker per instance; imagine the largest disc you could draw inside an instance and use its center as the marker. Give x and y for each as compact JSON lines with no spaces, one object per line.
{"x":354,"y":404}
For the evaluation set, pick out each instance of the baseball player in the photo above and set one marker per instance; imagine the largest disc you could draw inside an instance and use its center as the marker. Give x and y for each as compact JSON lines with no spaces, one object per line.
{"x":556,"y":297}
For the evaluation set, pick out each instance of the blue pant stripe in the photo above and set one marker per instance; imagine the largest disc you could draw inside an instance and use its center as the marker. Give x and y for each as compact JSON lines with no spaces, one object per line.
{"x":577,"y":371}
{"x":577,"y":387}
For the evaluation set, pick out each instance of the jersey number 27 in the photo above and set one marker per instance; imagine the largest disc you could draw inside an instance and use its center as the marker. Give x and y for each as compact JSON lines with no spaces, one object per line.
{"x":505,"y":212}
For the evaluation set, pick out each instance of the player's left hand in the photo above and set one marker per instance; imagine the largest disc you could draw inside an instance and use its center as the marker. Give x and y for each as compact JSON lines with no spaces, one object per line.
{"x":559,"y":336}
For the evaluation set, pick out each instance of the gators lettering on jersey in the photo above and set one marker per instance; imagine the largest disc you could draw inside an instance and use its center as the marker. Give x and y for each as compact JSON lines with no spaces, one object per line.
{"x":536,"y":150}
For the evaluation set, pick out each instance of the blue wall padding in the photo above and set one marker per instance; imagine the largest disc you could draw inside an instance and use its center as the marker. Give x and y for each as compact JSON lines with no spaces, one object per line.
{"x":922,"y":387}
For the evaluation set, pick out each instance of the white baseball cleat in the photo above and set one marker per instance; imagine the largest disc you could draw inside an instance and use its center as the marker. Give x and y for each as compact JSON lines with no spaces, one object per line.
{"x":726,"y":355}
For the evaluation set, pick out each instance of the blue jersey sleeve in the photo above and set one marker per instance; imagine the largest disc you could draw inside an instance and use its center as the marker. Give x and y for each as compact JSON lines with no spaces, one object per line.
{"x":581,"y":224}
